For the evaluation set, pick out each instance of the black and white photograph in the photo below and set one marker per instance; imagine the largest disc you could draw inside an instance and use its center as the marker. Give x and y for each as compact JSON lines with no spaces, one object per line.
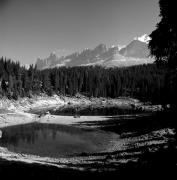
{"x":88,"y":89}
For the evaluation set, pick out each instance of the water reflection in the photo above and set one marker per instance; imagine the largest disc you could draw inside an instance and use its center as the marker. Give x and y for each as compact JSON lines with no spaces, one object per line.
{"x":53,"y":140}
{"x":70,"y":110}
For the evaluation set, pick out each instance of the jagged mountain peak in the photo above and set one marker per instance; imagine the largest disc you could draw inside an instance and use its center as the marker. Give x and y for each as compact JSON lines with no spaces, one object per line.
{"x":136,"y":52}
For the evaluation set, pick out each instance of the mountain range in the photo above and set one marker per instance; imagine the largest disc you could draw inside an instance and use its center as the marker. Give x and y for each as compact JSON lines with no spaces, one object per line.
{"x":136,"y":52}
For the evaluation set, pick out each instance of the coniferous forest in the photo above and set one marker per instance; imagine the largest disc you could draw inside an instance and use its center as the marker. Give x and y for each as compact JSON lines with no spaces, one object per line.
{"x":145,"y":82}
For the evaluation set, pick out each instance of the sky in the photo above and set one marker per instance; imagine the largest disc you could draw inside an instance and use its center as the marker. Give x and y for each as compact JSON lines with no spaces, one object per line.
{"x":31,"y":29}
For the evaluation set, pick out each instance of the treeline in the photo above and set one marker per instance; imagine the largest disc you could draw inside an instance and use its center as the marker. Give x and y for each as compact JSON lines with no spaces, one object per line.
{"x":145,"y":82}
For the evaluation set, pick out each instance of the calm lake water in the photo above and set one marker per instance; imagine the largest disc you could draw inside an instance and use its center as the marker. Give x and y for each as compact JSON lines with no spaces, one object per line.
{"x":53,"y":140}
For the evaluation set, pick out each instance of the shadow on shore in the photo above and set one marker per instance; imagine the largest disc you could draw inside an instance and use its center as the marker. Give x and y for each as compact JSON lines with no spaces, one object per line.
{"x":150,"y":165}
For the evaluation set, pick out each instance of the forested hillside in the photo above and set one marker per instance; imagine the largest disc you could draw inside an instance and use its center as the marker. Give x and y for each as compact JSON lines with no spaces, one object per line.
{"x":145,"y":82}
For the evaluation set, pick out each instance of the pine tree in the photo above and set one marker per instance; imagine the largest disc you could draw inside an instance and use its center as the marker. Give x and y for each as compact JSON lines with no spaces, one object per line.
{"x":163,"y":46}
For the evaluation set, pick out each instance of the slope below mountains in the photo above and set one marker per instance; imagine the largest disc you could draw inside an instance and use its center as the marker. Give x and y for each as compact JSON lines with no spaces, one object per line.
{"x":136,"y":52}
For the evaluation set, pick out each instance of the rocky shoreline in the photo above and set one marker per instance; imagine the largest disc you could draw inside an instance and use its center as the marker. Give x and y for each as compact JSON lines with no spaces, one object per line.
{"x":43,"y":101}
{"x":18,"y":112}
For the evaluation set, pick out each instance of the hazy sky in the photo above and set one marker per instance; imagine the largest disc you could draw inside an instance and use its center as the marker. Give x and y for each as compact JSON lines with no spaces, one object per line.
{"x":33,"y":28}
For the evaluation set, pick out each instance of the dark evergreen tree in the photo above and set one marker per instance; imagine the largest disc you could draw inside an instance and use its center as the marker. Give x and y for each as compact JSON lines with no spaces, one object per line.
{"x":163,"y":46}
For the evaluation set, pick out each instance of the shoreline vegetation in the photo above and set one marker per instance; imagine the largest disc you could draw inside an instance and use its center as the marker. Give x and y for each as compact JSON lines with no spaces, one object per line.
{"x":13,"y":112}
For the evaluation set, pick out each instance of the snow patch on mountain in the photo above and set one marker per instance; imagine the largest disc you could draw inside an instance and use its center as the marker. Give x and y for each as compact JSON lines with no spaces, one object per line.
{"x":144,"y":38}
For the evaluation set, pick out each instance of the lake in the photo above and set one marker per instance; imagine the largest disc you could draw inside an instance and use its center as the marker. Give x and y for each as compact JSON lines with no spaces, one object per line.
{"x":50,"y":140}
{"x":126,"y":136}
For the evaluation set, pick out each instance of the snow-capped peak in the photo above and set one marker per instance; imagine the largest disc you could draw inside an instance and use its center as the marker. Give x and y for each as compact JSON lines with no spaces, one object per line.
{"x":144,"y":38}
